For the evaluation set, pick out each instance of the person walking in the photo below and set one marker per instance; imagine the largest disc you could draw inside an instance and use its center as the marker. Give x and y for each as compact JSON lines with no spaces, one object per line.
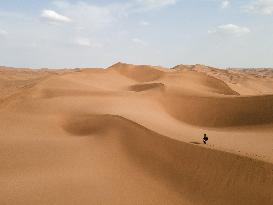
{"x":205,"y":139}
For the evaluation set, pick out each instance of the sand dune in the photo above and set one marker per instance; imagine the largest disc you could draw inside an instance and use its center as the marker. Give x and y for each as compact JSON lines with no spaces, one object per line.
{"x":133,"y":135}
{"x":243,"y":81}
{"x":220,"y":111}
{"x":184,"y":168}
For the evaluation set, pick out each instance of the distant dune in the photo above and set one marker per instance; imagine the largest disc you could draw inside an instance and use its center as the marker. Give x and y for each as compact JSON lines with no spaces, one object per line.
{"x":132,"y":134}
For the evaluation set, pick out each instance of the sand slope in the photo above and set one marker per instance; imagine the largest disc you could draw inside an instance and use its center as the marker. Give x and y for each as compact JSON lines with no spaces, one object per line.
{"x":132,"y":135}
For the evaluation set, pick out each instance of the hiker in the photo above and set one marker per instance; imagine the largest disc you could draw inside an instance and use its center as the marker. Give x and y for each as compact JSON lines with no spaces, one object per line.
{"x":205,"y":139}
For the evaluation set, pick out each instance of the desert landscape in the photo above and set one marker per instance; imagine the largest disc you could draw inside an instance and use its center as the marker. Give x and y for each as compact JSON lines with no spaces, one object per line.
{"x":132,"y":134}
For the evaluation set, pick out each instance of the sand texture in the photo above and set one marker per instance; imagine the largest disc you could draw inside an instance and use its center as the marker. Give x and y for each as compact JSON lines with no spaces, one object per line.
{"x":132,"y":134}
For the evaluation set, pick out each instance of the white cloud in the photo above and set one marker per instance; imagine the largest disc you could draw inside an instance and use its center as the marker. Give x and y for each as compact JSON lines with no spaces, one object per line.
{"x":88,"y":16}
{"x":139,"y":42}
{"x":93,"y":17}
{"x":230,"y":30}
{"x":151,"y":4}
{"x":54,"y":16}
{"x":86,"y":42}
{"x":225,"y":4}
{"x":264,"y":7}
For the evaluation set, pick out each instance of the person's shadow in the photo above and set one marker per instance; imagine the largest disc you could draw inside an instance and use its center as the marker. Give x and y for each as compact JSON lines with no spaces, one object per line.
{"x":195,"y":143}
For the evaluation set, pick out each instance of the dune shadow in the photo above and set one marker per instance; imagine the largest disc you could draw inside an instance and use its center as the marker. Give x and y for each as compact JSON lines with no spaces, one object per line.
{"x":145,"y":87}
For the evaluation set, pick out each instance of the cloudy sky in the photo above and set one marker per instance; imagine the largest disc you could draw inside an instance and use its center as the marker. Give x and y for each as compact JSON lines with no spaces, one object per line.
{"x":98,"y":33}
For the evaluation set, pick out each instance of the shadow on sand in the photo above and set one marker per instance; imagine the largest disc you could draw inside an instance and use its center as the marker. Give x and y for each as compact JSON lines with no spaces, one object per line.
{"x":195,"y":143}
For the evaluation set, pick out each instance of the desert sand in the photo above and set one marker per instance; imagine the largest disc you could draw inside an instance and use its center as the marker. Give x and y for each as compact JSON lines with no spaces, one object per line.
{"x":132,"y":134}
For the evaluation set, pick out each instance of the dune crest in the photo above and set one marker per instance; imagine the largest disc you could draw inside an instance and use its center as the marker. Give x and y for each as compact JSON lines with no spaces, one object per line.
{"x":139,"y":73}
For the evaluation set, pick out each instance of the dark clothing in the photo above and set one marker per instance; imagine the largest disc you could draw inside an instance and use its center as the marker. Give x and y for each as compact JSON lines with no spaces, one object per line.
{"x":205,"y":139}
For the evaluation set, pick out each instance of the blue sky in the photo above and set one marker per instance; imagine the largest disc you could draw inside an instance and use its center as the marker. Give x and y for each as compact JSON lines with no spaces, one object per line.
{"x":93,"y":33}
